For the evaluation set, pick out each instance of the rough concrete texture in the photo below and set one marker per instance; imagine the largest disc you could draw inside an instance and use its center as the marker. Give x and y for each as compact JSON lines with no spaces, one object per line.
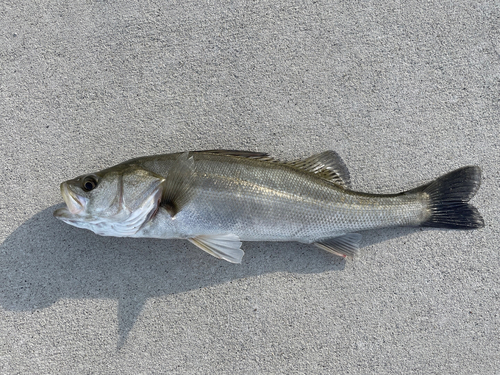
{"x":403,"y":91}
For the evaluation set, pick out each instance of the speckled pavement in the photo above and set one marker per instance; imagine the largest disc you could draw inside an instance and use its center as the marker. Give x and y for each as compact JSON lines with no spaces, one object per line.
{"x":404,"y":92}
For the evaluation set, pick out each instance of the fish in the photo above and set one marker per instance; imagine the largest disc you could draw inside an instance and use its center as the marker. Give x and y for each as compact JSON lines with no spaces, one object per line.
{"x":218,"y":198}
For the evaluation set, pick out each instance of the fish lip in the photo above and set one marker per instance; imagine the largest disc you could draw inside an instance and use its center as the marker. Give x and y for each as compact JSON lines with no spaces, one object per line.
{"x":63,"y":214}
{"x":67,"y":217}
{"x":75,"y":203}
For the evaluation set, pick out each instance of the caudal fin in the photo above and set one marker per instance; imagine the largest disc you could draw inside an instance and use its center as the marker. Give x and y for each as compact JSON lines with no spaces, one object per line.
{"x":448,"y":197}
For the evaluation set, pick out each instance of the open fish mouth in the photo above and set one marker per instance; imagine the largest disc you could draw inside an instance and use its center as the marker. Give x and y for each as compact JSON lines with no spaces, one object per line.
{"x":63,"y":214}
{"x":75,"y":203}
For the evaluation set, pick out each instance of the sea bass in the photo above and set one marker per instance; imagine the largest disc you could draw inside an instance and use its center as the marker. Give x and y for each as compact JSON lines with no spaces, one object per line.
{"x":218,"y":198}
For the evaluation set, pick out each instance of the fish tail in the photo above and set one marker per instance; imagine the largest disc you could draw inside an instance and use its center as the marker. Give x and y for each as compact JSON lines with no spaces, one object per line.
{"x":448,"y":196}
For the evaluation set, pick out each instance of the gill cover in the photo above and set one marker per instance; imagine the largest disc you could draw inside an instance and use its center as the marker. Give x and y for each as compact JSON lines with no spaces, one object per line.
{"x":140,"y":196}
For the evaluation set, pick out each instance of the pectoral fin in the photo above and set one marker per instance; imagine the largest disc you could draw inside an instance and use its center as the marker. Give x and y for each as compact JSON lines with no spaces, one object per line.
{"x":222,"y":246}
{"x":344,"y":246}
{"x":178,"y":186}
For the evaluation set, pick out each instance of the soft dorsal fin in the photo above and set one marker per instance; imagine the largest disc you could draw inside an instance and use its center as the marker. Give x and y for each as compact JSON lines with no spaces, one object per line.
{"x":327,"y":164}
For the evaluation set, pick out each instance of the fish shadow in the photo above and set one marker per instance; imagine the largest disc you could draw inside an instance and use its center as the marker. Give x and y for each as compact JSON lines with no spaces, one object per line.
{"x":45,"y":260}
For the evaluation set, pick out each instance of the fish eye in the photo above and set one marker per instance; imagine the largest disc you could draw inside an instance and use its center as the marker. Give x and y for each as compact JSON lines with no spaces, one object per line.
{"x":89,"y":183}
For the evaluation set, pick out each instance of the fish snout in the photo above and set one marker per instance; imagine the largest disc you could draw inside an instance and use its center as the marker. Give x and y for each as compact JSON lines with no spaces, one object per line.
{"x":74,"y":202}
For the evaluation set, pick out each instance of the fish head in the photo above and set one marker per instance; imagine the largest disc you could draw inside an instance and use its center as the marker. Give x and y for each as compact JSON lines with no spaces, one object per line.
{"x":114,"y":202}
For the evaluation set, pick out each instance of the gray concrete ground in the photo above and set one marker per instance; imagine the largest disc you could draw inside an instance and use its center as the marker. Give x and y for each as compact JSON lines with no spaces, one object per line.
{"x":403,"y":91}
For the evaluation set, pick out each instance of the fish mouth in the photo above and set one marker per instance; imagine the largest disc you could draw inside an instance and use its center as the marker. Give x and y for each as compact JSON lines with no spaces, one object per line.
{"x":63,"y":214}
{"x":75,"y":203}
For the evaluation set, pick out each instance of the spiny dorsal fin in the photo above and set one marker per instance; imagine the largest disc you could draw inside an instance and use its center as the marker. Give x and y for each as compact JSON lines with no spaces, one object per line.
{"x":241,"y":154}
{"x":178,"y":185}
{"x":327,"y":164}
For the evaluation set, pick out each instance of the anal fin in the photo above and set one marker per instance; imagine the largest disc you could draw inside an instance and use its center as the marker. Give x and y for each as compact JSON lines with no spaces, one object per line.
{"x":222,"y":246}
{"x":344,"y":246}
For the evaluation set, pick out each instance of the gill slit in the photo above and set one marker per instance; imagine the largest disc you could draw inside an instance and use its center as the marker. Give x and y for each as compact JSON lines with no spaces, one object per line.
{"x":120,"y":193}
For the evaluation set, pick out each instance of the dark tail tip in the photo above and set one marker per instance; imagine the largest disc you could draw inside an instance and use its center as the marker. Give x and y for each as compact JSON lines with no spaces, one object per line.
{"x":448,"y":197}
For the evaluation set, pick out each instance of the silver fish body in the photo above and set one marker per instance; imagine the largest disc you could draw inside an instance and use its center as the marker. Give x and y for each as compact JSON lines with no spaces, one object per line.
{"x":216,"y":199}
